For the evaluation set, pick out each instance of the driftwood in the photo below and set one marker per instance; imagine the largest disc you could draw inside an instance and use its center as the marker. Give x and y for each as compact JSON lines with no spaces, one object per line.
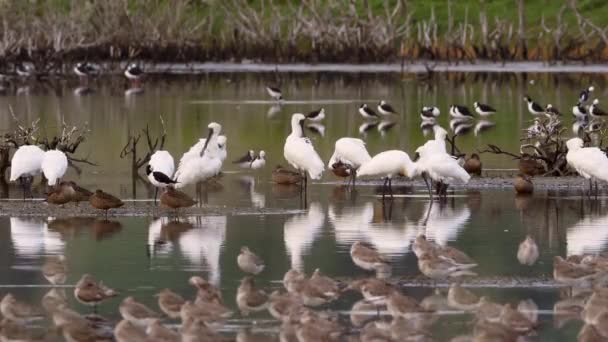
{"x":153,"y":144}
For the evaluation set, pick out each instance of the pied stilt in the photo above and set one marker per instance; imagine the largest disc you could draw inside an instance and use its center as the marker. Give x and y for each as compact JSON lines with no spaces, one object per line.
{"x":460,"y":112}
{"x":134,"y":73}
{"x":533,"y":107}
{"x":275,"y":93}
{"x":584,"y":95}
{"x":589,"y":162}
{"x":387,"y":165}
{"x":579,"y":111}
{"x":259,"y":161}
{"x":85,"y":69}
{"x":483,"y":109}
{"x":316,"y":115}
{"x":428,"y":113}
{"x":24,"y":70}
{"x":300,"y":153}
{"x":386,"y":109}
{"x":160,"y":171}
{"x":349,"y":153}
{"x":596,"y":111}
{"x":25,"y":164}
{"x":551,"y":111}
{"x":368,"y":113}
{"x":54,"y":165}
{"x":246,"y":160}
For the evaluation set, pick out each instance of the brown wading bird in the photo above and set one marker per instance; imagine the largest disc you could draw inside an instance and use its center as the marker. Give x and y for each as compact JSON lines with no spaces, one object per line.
{"x":366,"y":257}
{"x":137,"y":313}
{"x":284,"y":176}
{"x":88,"y":292}
{"x":55,"y":270}
{"x":170,"y":303}
{"x":249,"y":262}
{"x":249,"y":298}
{"x":17,"y":311}
{"x":126,"y":331}
{"x":176,"y":199}
{"x":105,"y":201}
{"x":473,"y":165}
{"x":523,"y":184}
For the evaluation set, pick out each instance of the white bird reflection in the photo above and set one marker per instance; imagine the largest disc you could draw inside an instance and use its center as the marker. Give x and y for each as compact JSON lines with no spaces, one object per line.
{"x":444,"y":223}
{"x":482,"y":126}
{"x":273,"y":111}
{"x":357,"y":223}
{"x":589,"y":235}
{"x":203,"y":244}
{"x":350,"y":222}
{"x":32,"y":238}
{"x":156,"y":243}
{"x":258,"y":200}
{"x":300,"y":231}
{"x":391,"y":238}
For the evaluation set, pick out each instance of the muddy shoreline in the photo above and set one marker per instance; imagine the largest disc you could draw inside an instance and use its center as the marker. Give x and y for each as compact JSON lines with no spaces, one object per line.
{"x":146,"y":208}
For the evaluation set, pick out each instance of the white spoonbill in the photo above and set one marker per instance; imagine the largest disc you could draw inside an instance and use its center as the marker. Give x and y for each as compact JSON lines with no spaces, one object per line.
{"x":299,"y":152}
{"x":160,"y":170}
{"x":200,"y":162}
{"x":54,"y":165}
{"x":351,"y":153}
{"x":25,"y":164}
{"x":436,"y":164}
{"x":221,"y":145}
{"x":589,"y":162}
{"x":388,"y":164}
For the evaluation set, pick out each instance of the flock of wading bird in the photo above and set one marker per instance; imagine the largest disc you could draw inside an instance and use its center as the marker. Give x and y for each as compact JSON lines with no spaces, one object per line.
{"x":383,"y":313}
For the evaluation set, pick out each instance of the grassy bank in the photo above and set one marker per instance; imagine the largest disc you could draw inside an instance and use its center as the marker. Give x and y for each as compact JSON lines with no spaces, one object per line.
{"x":56,"y":31}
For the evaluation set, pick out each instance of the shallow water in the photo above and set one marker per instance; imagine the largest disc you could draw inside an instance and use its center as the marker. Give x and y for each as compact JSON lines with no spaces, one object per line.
{"x":251,"y":121}
{"x":141,"y":255}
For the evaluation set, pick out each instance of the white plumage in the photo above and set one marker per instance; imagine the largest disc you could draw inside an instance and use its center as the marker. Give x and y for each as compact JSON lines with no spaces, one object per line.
{"x":388,"y":164}
{"x":161,"y":161}
{"x":350,"y":151}
{"x":259,"y":161}
{"x":589,"y":162}
{"x":54,"y":165}
{"x":221,"y":146}
{"x":202,"y":161}
{"x":438,"y":144}
{"x":299,"y":152}
{"x":440,"y":166}
{"x":26,"y":162}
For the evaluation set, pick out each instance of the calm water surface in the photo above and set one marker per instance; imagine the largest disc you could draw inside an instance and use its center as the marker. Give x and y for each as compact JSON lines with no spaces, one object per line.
{"x":140,"y":256}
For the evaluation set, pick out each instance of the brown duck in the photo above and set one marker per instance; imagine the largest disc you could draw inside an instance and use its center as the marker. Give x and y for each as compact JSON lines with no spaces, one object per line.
{"x":60,"y":194}
{"x":79,"y":194}
{"x":284,"y":176}
{"x":473,"y":165}
{"x":529,"y":166}
{"x":523,"y":184}
{"x":176,"y":199}
{"x":105,"y":201}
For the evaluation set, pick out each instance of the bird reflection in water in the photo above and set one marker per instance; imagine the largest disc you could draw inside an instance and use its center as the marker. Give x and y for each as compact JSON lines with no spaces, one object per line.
{"x":300,"y":231}
{"x":105,"y":229}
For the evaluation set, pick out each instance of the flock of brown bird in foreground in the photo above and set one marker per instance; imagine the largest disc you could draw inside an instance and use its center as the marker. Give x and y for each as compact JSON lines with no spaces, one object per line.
{"x":69,"y":191}
{"x":293,"y":307}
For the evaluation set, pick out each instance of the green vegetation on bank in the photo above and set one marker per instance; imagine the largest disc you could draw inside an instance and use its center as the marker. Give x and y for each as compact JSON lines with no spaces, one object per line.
{"x":303,"y":31}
